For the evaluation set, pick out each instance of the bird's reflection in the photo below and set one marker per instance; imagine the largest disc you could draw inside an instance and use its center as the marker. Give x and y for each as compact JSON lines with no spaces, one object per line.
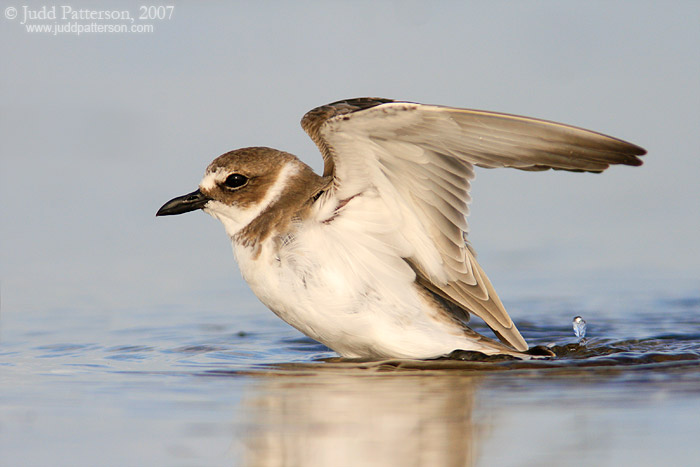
{"x":330,"y":416}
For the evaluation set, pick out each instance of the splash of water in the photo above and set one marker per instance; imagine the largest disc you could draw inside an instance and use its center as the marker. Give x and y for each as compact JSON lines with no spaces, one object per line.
{"x":579,"y":327}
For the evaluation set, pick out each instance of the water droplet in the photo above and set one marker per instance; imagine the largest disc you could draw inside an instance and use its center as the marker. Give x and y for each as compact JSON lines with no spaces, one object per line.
{"x":579,"y":327}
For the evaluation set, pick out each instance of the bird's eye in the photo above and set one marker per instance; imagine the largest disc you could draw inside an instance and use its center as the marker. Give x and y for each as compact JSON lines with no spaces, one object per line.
{"x":235,"y":181}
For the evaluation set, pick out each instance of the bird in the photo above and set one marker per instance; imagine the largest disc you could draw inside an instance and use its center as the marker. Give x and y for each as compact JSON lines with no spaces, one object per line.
{"x":372,"y":258}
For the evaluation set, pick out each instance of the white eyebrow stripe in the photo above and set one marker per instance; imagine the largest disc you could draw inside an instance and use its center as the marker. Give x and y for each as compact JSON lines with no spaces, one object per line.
{"x":273,"y":194}
{"x":234,"y":217}
{"x":210,"y":179}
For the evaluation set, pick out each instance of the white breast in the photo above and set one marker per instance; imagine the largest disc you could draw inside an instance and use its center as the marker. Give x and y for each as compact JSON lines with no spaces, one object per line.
{"x":344,"y":283}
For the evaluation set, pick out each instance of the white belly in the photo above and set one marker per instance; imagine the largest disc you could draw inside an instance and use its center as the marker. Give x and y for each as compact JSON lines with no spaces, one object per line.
{"x":357,"y":298}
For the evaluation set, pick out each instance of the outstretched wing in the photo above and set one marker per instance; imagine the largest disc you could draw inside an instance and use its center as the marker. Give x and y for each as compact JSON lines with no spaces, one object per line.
{"x":420,"y":158}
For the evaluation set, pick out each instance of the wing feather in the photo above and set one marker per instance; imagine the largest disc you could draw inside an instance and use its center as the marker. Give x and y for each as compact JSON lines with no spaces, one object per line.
{"x":420,"y":159}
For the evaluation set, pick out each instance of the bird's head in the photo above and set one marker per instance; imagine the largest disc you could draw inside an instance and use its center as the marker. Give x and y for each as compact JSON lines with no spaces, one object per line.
{"x":238,"y":186}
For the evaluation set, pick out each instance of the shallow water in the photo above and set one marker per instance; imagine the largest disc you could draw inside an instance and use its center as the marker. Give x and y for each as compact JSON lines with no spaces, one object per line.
{"x":175,"y":386}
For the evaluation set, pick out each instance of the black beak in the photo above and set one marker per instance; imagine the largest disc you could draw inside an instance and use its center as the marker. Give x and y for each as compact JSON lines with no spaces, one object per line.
{"x":182,"y":204}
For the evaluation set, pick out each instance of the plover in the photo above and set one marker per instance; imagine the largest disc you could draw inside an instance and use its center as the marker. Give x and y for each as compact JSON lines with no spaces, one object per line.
{"x":372,"y":258}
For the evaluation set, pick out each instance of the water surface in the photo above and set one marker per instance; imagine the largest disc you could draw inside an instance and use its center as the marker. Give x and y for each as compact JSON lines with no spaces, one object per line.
{"x":176,"y":386}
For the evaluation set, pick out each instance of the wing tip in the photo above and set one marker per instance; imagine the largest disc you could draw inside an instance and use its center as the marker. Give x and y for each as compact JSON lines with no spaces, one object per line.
{"x":512,"y":337}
